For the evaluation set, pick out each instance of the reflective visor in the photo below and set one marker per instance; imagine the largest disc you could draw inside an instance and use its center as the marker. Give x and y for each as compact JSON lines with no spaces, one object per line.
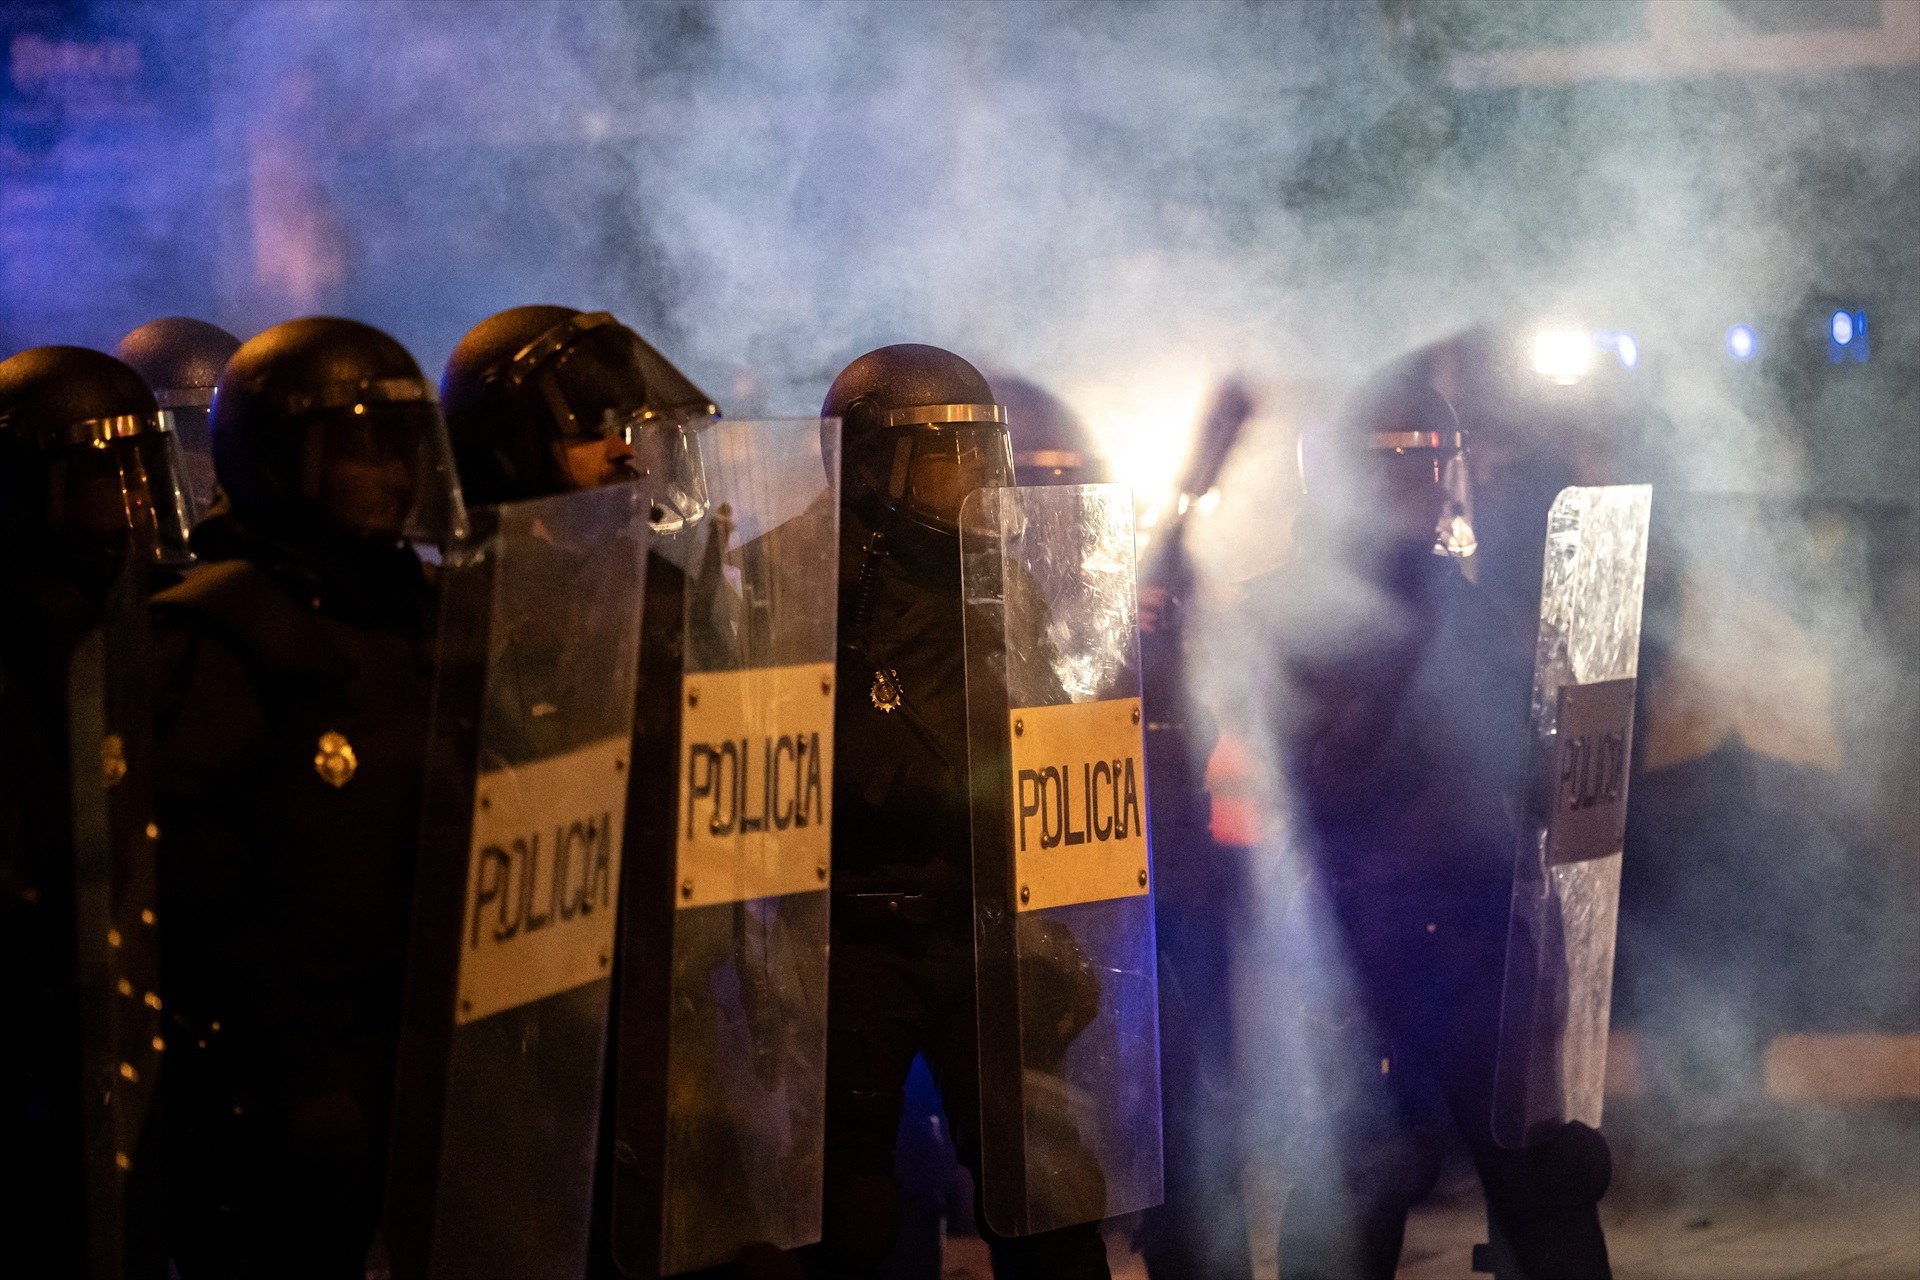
{"x":597,"y":377}
{"x":380,"y":470}
{"x":595,"y":386}
{"x":193,"y":438}
{"x":621,"y":412}
{"x":936,"y":467}
{"x":121,"y":477}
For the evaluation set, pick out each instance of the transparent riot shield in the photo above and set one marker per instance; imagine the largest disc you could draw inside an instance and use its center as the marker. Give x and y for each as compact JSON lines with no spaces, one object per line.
{"x":1566,"y":890}
{"x":1063,"y":888}
{"x":719,"y":1067}
{"x":516,"y":894}
{"x":115,"y":934}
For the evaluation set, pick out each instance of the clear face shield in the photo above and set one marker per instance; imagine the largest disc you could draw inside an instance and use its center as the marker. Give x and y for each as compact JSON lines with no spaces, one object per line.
{"x":662,"y":455}
{"x":192,"y":409}
{"x":942,"y":453}
{"x":381,"y":469}
{"x":1421,"y":473}
{"x":120,"y":479}
{"x":623,"y":413}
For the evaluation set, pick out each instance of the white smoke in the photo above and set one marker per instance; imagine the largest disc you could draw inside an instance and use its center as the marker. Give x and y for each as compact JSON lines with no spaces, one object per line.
{"x":1125,"y":203}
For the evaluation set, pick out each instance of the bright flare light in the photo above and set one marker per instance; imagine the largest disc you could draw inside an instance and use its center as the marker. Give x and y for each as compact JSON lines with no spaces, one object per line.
{"x":1741,"y":342}
{"x":1563,"y":356}
{"x":1842,"y":325}
{"x":1144,"y":430}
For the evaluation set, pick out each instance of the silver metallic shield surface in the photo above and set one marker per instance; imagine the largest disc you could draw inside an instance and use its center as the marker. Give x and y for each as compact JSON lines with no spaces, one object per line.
{"x":499,"y":1098}
{"x":1067,"y":993}
{"x":719,"y":1075}
{"x":1566,"y":892}
{"x":122,"y":1034}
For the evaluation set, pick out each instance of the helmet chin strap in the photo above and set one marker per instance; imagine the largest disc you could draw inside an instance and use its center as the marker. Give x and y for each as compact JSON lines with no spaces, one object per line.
{"x":929,"y":557}
{"x":929,"y":560}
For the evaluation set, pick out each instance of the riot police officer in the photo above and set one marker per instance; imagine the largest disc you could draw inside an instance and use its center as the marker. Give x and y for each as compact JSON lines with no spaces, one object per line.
{"x":1050,"y":446}
{"x":90,"y":501}
{"x":1405,"y":750}
{"x":921,"y":430}
{"x":181,"y":359}
{"x":545,"y":401}
{"x":293,"y":674}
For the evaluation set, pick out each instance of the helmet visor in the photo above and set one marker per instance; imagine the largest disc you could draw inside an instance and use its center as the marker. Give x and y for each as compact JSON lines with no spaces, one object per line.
{"x":936,"y":467}
{"x":193,"y":442}
{"x":381,"y":471}
{"x":120,"y":480}
{"x":1425,"y":473}
{"x":622,"y":412}
{"x":595,"y":376}
{"x":1455,"y":536}
{"x":594,"y":386}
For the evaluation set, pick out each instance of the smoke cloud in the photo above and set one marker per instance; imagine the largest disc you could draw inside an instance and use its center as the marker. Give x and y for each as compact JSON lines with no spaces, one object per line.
{"x":1126,"y":203}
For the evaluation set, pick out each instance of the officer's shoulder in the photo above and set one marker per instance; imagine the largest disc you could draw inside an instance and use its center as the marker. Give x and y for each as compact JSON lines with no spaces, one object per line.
{"x":240,"y":605}
{"x":228,"y":594}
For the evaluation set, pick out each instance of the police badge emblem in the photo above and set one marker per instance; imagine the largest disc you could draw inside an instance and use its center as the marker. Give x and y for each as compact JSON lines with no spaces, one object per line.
{"x":335,"y":762}
{"x":886,"y":690}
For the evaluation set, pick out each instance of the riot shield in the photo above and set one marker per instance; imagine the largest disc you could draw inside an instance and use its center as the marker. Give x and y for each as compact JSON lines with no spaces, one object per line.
{"x":1063,"y":887}
{"x":510,"y":967}
{"x":718,"y":1078}
{"x":1566,"y":889}
{"x":115,"y":933}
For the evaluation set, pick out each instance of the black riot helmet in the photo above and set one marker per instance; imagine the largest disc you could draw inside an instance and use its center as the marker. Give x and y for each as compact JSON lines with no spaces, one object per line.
{"x":181,"y":359}
{"x":920,"y":430}
{"x":331,"y":421}
{"x":1050,"y":443}
{"x":85,"y":450}
{"x":541,"y":399}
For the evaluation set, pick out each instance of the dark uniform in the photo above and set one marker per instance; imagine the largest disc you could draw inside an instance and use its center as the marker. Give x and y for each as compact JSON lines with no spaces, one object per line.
{"x":1406,"y":756}
{"x":90,"y":510}
{"x":293,"y":678}
{"x":902,"y":977}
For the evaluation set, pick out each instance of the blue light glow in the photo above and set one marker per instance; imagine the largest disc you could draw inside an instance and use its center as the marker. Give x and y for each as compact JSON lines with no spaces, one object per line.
{"x":1742,"y":342}
{"x":1624,"y":346}
{"x":1847,"y":337}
